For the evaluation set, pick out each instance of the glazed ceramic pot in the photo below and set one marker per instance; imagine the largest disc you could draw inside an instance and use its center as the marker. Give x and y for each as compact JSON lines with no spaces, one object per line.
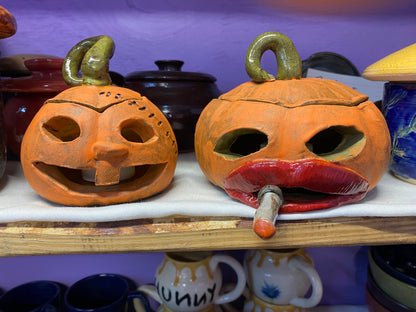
{"x":192,"y":281}
{"x":180,"y":95}
{"x":330,"y":62}
{"x":283,"y":277}
{"x":391,"y":279}
{"x":25,"y":95}
{"x":7,"y":29}
{"x":379,"y":301}
{"x":399,"y":108}
{"x":103,"y":293}
{"x":399,"y":261}
{"x":36,"y":296}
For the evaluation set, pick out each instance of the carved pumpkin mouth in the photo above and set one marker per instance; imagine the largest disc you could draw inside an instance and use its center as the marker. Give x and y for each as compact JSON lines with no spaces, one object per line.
{"x":74,"y":179}
{"x":310,"y":184}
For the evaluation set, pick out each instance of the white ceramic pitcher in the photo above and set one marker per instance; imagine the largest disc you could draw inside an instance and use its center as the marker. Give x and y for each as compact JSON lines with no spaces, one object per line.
{"x":192,"y":281}
{"x":283,"y":277}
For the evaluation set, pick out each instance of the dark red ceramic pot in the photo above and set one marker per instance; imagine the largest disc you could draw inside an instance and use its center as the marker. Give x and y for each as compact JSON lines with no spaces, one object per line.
{"x":24,"y":95}
{"x":180,"y":95}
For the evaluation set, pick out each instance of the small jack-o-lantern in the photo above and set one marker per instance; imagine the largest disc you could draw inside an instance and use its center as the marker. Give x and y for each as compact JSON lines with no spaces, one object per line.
{"x":97,"y":144}
{"x":321,"y":142}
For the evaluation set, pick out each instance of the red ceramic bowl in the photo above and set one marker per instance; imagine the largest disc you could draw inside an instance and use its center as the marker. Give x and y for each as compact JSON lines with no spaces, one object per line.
{"x":372,"y":304}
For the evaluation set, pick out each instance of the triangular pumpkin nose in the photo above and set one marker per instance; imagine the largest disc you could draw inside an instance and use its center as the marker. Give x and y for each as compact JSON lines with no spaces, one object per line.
{"x":109,"y":151}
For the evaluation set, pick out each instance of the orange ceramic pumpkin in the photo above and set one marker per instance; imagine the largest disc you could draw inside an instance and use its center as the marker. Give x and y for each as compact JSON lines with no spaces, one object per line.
{"x":323,"y":143}
{"x":98,"y":145}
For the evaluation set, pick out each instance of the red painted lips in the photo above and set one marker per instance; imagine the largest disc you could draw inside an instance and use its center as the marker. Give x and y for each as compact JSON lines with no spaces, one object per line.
{"x":310,"y":184}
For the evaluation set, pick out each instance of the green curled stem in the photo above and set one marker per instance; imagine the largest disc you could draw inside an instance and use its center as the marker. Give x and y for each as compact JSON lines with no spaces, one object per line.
{"x":92,"y":56}
{"x":289,"y":65}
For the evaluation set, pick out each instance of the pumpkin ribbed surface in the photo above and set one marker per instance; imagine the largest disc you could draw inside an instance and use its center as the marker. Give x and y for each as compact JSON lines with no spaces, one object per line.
{"x":296,"y":92}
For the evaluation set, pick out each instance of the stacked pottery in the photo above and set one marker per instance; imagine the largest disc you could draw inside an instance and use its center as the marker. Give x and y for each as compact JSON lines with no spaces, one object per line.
{"x":391,"y":279}
{"x":278,"y":280}
{"x":399,"y":108}
{"x":192,"y":282}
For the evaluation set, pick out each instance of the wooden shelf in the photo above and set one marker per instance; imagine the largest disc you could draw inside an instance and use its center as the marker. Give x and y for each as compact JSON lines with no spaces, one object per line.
{"x":186,"y":234}
{"x":92,"y":233}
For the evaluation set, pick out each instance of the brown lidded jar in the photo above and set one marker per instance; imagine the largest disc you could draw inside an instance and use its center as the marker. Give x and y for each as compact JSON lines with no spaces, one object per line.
{"x":180,"y":95}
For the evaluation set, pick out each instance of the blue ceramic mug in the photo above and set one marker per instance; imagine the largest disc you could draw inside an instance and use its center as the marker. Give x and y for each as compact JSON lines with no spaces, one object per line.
{"x":399,"y":109}
{"x":102,"y":293}
{"x":36,"y":296}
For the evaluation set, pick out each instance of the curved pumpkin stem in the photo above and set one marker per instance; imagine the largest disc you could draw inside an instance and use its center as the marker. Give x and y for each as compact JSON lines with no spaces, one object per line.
{"x":92,"y":55}
{"x":289,"y":65}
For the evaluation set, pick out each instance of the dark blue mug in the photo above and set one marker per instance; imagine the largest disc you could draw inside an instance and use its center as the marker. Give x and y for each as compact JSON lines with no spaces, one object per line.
{"x":102,"y":293}
{"x":36,"y":296}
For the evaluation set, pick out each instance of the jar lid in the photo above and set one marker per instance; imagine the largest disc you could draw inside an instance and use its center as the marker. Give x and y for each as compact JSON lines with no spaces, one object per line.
{"x":169,"y":70}
{"x":45,"y":76}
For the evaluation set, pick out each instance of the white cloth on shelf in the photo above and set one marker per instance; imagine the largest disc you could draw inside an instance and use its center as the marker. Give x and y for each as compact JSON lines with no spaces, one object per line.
{"x":189,"y":194}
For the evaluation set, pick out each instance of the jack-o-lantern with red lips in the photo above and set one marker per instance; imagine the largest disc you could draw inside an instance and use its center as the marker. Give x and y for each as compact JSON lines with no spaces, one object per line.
{"x":321,"y":142}
{"x":97,"y":144}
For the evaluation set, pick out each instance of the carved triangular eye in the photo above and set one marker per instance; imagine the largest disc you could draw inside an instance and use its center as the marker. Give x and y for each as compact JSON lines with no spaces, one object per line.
{"x":63,"y":129}
{"x":337,"y":142}
{"x":136,"y":131}
{"x":240,"y":143}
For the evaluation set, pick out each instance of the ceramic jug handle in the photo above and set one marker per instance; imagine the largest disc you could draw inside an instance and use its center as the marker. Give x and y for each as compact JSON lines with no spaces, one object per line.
{"x":300,"y":263}
{"x":151,"y":291}
{"x":241,"y":278}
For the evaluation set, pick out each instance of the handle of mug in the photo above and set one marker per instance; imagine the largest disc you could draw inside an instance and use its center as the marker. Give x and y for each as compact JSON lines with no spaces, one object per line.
{"x":227,"y":307}
{"x":241,"y":277}
{"x":300,"y":263}
{"x":139,"y":300}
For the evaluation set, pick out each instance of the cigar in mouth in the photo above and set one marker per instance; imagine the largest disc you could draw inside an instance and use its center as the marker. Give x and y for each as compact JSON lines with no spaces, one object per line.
{"x":270,"y":199}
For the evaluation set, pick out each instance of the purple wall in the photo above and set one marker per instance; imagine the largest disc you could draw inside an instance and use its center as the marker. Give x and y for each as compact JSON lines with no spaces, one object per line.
{"x":211,"y":37}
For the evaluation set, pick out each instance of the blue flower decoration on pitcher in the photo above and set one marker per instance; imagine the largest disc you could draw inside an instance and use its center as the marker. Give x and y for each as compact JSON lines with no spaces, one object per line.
{"x":271,"y":291}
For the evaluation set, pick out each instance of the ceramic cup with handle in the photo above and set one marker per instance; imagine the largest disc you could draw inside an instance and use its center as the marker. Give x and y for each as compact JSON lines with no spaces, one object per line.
{"x":36,"y":296}
{"x":103,"y":293}
{"x":192,"y":281}
{"x":283,"y":277}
